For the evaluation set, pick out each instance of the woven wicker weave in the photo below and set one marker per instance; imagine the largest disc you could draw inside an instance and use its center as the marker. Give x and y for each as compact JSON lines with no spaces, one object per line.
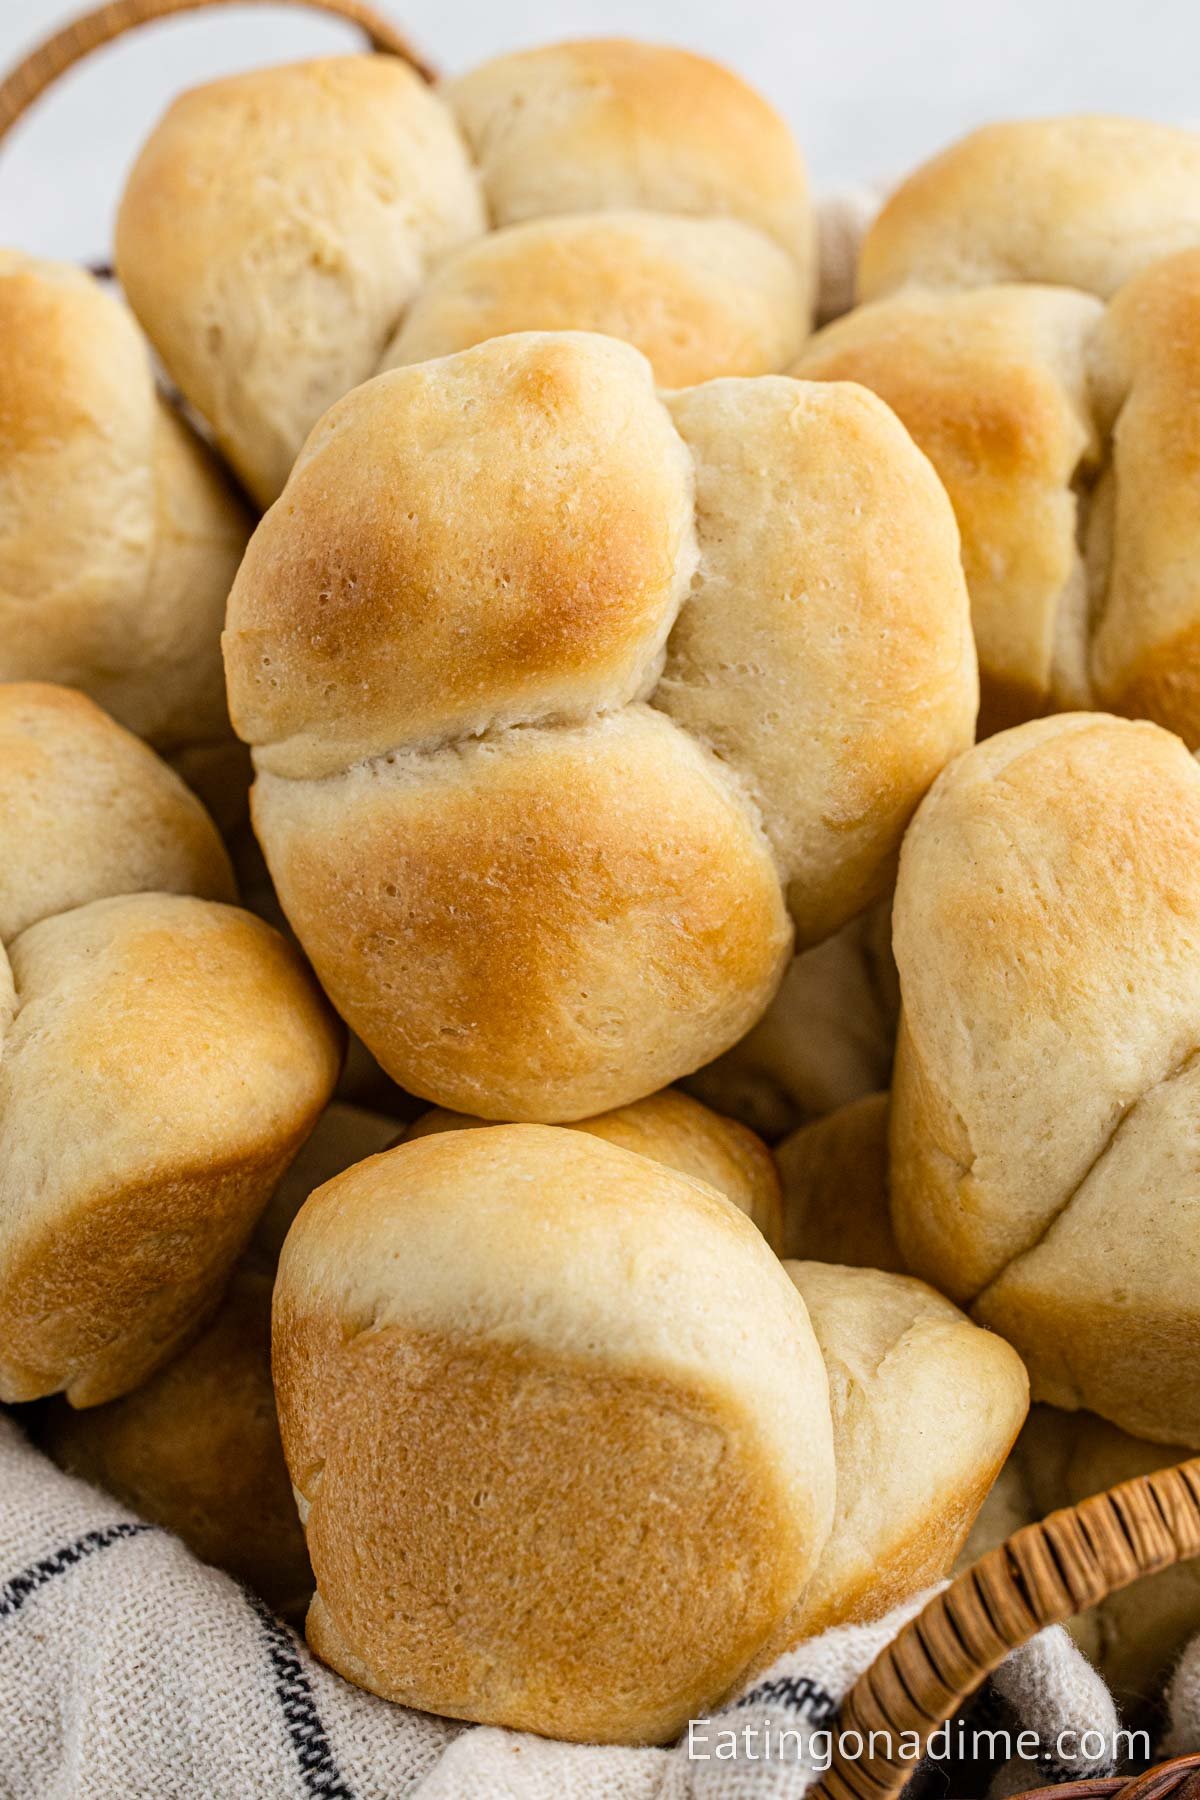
{"x":1044,"y":1574}
{"x":1178,"y":1780}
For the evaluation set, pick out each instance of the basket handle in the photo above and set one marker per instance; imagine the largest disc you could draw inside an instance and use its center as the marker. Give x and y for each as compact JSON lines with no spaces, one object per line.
{"x":59,"y":52}
{"x":1042,"y":1576}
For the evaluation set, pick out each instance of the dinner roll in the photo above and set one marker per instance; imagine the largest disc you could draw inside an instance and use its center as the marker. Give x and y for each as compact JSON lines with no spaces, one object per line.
{"x":284,"y":231}
{"x":1063,"y":433}
{"x":118,"y":536}
{"x":698,"y":297}
{"x":343,"y":1135}
{"x":836,"y":1205}
{"x":1145,"y":521}
{"x":273,"y":229}
{"x":527,"y":781}
{"x":611,"y":123}
{"x":826,"y":1038}
{"x":1045,"y":1167}
{"x":925,"y":1409}
{"x":558,"y":1427}
{"x":1081,"y":202}
{"x":993,"y":385}
{"x":674,"y":1129}
{"x":196,"y":1448}
{"x":162,"y":1055}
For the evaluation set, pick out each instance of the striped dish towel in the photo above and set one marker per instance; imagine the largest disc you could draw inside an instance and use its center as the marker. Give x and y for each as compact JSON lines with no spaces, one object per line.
{"x":128,"y":1669}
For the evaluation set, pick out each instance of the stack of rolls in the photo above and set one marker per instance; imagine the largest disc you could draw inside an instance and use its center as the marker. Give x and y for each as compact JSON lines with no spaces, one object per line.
{"x":1045,"y":357}
{"x":119,"y":533}
{"x":163,"y":1055}
{"x":607,"y":660}
{"x":285,"y":234}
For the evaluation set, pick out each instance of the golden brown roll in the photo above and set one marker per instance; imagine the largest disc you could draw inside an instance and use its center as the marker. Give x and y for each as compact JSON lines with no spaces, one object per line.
{"x":196,"y":1448}
{"x":609,"y":123}
{"x":280,"y":228}
{"x":527,"y":780}
{"x":836,"y":1205}
{"x":558,"y":1427}
{"x":1144,"y":535}
{"x":826,"y":1039}
{"x":482,"y":1329}
{"x":993,"y":385}
{"x":1044,"y":1161}
{"x":162,"y":1055}
{"x":925,"y":1410}
{"x":1078,"y":202}
{"x":1064,"y":435}
{"x":698,"y":297}
{"x":273,"y":229}
{"x":674,"y":1129}
{"x":118,"y":536}
{"x":343,"y":1135}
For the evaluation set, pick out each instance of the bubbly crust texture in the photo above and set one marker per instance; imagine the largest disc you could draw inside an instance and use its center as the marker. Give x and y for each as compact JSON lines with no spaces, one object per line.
{"x":698,"y":297}
{"x":674,"y":1129}
{"x":925,"y":1408}
{"x":836,"y":1201}
{"x":1044,"y":1161}
{"x":826,"y":1039}
{"x":280,"y":228}
{"x":559,"y":1431}
{"x":162,"y":1055}
{"x":196,"y":1450}
{"x":118,"y":536}
{"x":1097,"y":200}
{"x":529,"y":660}
{"x":272,"y":231}
{"x":1066,"y":436}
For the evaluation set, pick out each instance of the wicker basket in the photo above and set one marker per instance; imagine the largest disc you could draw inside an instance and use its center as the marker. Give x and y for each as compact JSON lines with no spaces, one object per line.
{"x":52,"y":58}
{"x":1044,"y":1574}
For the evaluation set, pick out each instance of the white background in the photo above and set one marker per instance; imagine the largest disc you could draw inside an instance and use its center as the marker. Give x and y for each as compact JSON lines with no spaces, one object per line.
{"x":870,"y":86}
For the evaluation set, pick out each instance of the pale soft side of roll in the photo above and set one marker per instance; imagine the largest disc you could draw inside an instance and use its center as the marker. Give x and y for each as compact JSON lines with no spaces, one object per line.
{"x":564,"y":1435}
{"x":925,"y":1409}
{"x":1045,"y":1164}
{"x":162,"y":1055}
{"x":196,"y":1448}
{"x":826,"y":1039}
{"x":119,"y":538}
{"x":1134,"y":1637}
{"x":674,"y":1129}
{"x":1065,"y":433}
{"x":543,"y":805}
{"x":1077,"y":202}
{"x":558,"y":1427}
{"x":286,"y":233}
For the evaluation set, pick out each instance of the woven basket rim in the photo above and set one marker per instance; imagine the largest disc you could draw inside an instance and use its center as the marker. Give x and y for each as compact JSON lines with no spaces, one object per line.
{"x":50,"y":59}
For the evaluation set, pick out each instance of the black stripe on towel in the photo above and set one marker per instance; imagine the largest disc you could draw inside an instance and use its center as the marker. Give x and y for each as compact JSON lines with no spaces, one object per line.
{"x":22,"y":1587}
{"x":318,"y":1766}
{"x":799,"y":1693}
